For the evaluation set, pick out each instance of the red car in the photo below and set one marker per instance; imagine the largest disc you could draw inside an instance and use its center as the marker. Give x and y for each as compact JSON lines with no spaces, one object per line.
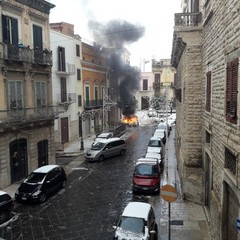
{"x":146,"y":176}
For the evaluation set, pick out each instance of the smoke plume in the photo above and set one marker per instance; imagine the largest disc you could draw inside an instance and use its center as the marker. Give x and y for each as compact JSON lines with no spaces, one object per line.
{"x":115,"y":35}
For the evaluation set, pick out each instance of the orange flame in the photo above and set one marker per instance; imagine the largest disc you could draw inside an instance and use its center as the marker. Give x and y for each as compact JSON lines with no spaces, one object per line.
{"x":130,"y":120}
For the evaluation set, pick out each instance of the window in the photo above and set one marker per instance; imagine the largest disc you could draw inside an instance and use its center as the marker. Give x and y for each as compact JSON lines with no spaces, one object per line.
{"x":37,"y":38}
{"x":79,"y":74}
{"x":208,"y":137}
{"x":9,"y":30}
{"x":145,"y":84}
{"x":77,"y":50}
{"x":96,"y":95}
{"x":178,"y":93}
{"x":230,"y":161}
{"x":15,"y":94}
{"x":41,"y":94}
{"x":61,"y":59}
{"x":63,"y":90}
{"x":208,"y":92}
{"x":231,"y":91}
{"x":79,"y":100}
{"x":157,"y":78}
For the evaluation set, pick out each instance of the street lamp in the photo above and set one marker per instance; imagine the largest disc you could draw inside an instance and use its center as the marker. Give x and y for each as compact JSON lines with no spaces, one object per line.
{"x":81,"y":118}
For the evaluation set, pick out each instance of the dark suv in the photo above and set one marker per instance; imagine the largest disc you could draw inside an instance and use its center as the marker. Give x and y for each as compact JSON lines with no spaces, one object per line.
{"x":41,"y":183}
{"x":146,"y":176}
{"x":6,"y":205}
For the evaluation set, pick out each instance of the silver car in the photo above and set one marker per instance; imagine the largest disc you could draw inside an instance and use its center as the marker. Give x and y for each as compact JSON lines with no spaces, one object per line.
{"x":105,"y":148}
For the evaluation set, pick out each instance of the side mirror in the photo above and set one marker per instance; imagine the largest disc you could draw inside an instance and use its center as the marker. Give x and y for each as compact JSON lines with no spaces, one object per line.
{"x":153,"y":232}
{"x":114,"y":227}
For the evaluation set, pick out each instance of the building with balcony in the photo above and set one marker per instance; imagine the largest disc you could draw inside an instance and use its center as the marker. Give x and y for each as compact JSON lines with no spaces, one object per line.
{"x":206,"y":54}
{"x":163,"y":85}
{"x":67,"y":82}
{"x":145,"y":92}
{"x":95,"y":79}
{"x":26,"y":110}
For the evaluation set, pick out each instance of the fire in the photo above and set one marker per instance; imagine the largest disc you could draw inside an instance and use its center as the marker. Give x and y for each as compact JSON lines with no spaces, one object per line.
{"x":130,"y":120}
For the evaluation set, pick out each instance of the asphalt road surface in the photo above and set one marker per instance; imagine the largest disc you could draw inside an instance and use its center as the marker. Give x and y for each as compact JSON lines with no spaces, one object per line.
{"x":91,"y":204}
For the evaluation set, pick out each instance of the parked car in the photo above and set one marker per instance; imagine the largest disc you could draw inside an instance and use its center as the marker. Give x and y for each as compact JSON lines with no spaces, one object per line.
{"x":42,"y":182}
{"x":158,"y":156}
{"x":146,"y":176}
{"x":137,"y":222}
{"x":6,"y":205}
{"x":102,"y":136}
{"x":164,"y":126}
{"x":155,"y":144}
{"x":106,"y":148}
{"x":161,"y":134}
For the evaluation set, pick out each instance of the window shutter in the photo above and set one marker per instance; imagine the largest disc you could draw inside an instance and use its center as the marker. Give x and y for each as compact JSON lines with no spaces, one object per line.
{"x":5,"y":29}
{"x":14,"y":31}
{"x":208,"y":92}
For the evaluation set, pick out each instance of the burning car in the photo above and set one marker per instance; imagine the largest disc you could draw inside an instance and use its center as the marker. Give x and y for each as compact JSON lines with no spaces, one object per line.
{"x":131,"y":121}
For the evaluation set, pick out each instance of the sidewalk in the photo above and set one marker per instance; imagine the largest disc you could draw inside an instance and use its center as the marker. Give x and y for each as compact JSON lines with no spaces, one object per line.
{"x":187,"y":219}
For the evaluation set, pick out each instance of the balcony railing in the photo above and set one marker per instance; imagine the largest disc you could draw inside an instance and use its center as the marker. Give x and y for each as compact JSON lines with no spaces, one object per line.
{"x":65,"y":68}
{"x":8,"y":118}
{"x":187,"y":19}
{"x":24,"y":54}
{"x":68,"y":98}
{"x":93,"y":104}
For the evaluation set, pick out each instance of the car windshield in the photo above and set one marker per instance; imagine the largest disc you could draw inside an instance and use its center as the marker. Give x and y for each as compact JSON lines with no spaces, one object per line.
{"x":154,"y":143}
{"x":146,"y":170}
{"x":35,"y":177}
{"x":131,"y":224}
{"x":97,"y":146}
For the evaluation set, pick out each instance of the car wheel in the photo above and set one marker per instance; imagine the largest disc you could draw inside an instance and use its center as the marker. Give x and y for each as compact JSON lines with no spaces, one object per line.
{"x":122,"y":153}
{"x":101,"y":158}
{"x":64,"y":184}
{"x":4,"y":216}
{"x":42,"y":197}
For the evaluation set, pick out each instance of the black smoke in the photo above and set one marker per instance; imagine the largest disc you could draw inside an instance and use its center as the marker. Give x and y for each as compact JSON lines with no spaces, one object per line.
{"x":116,"y":34}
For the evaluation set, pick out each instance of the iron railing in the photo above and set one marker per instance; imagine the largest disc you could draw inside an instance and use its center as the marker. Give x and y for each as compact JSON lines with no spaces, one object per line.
{"x":24,"y":115}
{"x":24,"y":54}
{"x":91,"y":104}
{"x":188,"y":19}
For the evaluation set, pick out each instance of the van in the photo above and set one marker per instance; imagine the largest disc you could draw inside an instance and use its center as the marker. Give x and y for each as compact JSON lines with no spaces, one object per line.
{"x":106,"y":148}
{"x":137,"y":222}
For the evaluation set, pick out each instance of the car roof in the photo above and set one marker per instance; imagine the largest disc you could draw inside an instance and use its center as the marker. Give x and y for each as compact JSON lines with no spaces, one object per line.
{"x":3,"y":193}
{"x":155,"y":138}
{"x":109,"y":140}
{"x":151,"y":161}
{"x":153,"y":155}
{"x":45,"y":169}
{"x":104,"y":134}
{"x":137,"y":209}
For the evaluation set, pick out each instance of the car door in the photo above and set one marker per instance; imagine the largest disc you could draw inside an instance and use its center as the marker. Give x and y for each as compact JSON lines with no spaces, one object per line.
{"x":52,"y":180}
{"x":152,"y":224}
{"x":109,"y":150}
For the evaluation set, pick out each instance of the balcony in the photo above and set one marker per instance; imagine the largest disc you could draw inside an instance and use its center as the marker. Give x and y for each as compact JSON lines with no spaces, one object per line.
{"x":66,"y":99}
{"x":187,"y":31}
{"x":65,"y":69}
{"x":93,"y":104}
{"x":190,"y":20}
{"x":26,"y":117}
{"x":26,"y":55}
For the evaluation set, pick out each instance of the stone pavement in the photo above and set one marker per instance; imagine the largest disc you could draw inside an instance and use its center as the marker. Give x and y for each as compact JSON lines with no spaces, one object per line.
{"x":187,"y":219}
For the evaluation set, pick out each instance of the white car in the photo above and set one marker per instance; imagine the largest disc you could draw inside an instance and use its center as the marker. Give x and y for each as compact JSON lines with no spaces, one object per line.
{"x":137,"y":222}
{"x":156,"y":145}
{"x":154,"y":155}
{"x":161,"y":134}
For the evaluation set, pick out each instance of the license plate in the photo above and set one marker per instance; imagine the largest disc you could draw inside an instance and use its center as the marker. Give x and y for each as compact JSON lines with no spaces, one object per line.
{"x":145,"y":188}
{"x":24,"y":198}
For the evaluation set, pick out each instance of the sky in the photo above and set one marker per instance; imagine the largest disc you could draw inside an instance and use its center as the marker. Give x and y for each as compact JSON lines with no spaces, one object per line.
{"x":155,"y":18}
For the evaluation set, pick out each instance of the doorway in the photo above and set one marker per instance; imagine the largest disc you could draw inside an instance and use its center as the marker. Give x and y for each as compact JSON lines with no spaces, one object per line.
{"x":18,"y":159}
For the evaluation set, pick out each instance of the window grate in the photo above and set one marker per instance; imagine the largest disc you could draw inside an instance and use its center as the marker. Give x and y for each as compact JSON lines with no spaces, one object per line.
{"x":230,"y":161}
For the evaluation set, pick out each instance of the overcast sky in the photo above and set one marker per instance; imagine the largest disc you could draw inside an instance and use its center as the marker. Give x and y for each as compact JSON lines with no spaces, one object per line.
{"x":155,"y":16}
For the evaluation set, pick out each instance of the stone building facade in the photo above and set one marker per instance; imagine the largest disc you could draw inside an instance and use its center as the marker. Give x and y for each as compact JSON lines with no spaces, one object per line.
{"x":26,"y":110}
{"x":206,"y":54}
